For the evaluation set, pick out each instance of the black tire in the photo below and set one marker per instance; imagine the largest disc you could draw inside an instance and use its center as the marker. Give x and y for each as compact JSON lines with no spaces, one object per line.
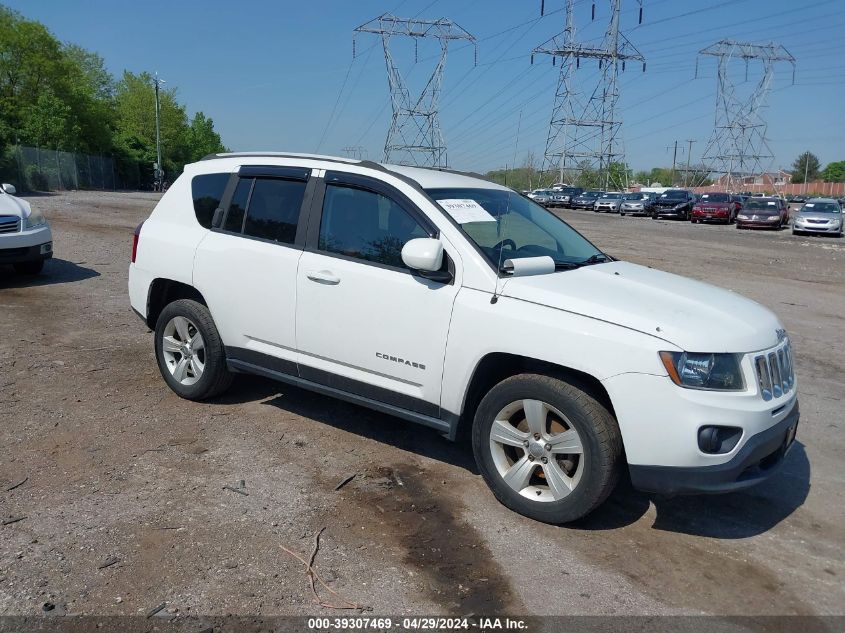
{"x":215,"y":378}
{"x":29,"y":268}
{"x":595,"y":426}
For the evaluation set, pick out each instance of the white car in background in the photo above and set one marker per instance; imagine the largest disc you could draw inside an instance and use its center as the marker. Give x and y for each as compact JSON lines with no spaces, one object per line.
{"x":25,"y":237}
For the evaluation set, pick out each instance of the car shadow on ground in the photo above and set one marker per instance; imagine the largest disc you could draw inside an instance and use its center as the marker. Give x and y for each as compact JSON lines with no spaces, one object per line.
{"x":56,"y":271}
{"x":734,"y":515}
{"x":729,"y":516}
{"x":352,"y":418}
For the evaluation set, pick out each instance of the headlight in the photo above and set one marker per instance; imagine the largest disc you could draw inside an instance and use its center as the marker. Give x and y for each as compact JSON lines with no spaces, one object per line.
{"x":720,"y":372}
{"x":742,"y":216}
{"x":36,"y":218}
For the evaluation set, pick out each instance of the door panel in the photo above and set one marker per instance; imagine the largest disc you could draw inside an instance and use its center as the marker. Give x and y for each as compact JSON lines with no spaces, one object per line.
{"x":381,"y":327}
{"x":250,"y":288}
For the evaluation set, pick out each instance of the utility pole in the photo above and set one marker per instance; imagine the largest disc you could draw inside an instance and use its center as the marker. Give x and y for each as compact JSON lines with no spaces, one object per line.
{"x":415,"y":137}
{"x":159,"y":172}
{"x":738,"y":146}
{"x":689,"y":155}
{"x":674,"y":160}
{"x":584,"y":131}
{"x":806,"y":169}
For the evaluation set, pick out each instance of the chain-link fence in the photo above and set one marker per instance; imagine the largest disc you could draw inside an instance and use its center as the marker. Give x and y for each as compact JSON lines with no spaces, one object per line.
{"x":39,"y":169}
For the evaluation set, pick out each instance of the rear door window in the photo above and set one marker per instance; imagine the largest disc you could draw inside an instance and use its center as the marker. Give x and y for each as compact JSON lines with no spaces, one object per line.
{"x":266,"y":208}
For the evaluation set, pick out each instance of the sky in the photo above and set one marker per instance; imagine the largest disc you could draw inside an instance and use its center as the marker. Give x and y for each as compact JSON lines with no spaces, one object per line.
{"x":280,"y":75}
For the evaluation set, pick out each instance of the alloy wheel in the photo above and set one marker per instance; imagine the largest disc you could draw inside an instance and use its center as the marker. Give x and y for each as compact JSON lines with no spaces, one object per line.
{"x":183,"y":349}
{"x":536,"y":450}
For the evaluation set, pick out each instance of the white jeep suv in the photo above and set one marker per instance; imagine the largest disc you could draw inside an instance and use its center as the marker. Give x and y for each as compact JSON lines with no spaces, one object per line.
{"x":25,"y":237}
{"x":456,"y":303}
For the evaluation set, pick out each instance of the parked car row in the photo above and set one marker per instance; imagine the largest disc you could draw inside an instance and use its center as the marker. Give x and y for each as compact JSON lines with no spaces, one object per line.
{"x":817,"y":215}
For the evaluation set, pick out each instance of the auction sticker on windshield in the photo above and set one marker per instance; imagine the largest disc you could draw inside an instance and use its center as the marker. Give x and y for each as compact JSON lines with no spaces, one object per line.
{"x":465,"y":211}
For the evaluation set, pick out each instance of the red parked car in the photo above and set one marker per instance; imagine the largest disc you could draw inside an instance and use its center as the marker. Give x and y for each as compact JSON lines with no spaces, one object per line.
{"x":772,"y":213}
{"x":716,"y":207}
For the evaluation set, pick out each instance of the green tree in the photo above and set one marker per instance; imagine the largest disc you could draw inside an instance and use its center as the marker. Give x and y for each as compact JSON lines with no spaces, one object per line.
{"x":834,"y":172}
{"x":202,"y":138}
{"x":806,"y":164}
{"x":643,"y":177}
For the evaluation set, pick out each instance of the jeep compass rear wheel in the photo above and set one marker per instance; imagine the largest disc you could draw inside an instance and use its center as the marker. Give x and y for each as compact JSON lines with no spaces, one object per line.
{"x":189,"y":351}
{"x":546,"y":447}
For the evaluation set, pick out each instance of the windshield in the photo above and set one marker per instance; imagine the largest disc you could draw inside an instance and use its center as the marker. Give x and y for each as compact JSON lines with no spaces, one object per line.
{"x":821,"y":207}
{"x":592,"y":194}
{"x":634,"y":196}
{"x":674,"y":193}
{"x":715,"y":197}
{"x":762,"y":205}
{"x":611,"y":196}
{"x":505,"y":225}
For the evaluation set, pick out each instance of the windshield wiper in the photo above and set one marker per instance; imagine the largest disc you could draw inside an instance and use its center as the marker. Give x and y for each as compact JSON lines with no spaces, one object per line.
{"x":598,"y":258}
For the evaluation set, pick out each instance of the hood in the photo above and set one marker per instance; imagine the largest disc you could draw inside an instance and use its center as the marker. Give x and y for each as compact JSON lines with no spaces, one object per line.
{"x":706,"y":203}
{"x":11,"y":205}
{"x":818,"y":215}
{"x":672,"y":201}
{"x":694,"y":316}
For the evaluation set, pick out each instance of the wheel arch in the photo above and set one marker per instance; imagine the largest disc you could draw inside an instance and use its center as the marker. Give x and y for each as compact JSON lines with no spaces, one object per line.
{"x":495,"y":367}
{"x":164,"y":291}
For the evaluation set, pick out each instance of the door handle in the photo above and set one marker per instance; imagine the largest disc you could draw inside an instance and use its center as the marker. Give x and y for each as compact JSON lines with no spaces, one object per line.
{"x":323,"y":277}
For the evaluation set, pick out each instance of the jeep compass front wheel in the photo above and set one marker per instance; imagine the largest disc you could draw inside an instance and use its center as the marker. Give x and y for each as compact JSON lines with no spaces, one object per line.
{"x":189,"y":351}
{"x":546,"y":447}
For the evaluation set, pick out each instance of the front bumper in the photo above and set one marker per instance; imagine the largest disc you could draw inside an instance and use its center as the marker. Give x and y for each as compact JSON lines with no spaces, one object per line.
{"x":634,"y":210}
{"x":760,"y":223}
{"x":26,"y":246}
{"x":26,"y":254}
{"x":670,"y":212}
{"x":807,"y":227}
{"x":758,"y":459}
{"x":722,"y":215}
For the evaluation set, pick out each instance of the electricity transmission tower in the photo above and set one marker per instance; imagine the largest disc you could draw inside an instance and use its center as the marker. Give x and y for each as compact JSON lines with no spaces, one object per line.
{"x":415,"y":137}
{"x":355,"y":151}
{"x":584,"y":130}
{"x":738,"y":146}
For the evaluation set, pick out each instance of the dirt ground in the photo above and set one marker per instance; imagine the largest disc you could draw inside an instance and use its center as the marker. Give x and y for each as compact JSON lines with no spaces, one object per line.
{"x":119,"y":484}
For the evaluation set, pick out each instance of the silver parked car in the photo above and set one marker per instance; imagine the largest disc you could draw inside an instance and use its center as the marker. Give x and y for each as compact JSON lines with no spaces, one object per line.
{"x":819,"y":215}
{"x":608,"y":202}
{"x":640,"y":203}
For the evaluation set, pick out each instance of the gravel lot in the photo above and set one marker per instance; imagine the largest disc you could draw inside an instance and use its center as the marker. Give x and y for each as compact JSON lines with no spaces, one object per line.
{"x":123,"y":498}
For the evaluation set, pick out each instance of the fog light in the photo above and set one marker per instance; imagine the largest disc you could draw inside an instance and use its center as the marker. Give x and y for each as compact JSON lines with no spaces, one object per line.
{"x":718,"y":439}
{"x":47,"y":248}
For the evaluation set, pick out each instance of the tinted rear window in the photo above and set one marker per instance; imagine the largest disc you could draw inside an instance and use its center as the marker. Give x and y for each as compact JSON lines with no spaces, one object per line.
{"x":207,"y":191}
{"x":274,"y":209}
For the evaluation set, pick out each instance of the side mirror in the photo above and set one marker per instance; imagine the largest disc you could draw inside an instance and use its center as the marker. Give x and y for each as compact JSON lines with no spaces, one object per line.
{"x":10,"y":189}
{"x":425,"y":256}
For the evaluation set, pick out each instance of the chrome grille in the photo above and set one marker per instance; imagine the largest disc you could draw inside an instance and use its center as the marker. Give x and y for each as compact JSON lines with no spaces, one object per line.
{"x":775,"y":371}
{"x":10,"y":224}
